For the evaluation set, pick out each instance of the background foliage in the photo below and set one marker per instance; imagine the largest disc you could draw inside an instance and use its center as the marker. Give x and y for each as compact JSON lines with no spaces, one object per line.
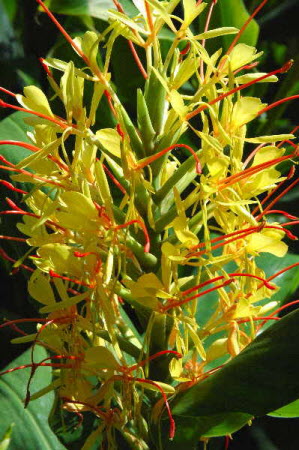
{"x":26,"y":35}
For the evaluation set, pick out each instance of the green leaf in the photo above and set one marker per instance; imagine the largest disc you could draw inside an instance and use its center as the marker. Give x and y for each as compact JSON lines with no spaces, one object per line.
{"x":12,"y":128}
{"x":289,"y":411}
{"x":262,"y":378}
{"x":31,"y":428}
{"x":94,"y":8}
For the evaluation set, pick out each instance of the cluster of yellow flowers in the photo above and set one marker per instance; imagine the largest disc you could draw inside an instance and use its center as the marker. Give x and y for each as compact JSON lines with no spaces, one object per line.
{"x":125,"y":221}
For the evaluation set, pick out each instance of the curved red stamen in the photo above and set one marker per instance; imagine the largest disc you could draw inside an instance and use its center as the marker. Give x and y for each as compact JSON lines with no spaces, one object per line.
{"x":279,"y":102}
{"x":156,"y":355}
{"x":186,"y":300}
{"x":145,"y":232}
{"x":6,"y":91}
{"x":60,"y":122}
{"x":201,"y":108}
{"x":186,"y":49}
{"x":246,"y":67}
{"x":256,"y":319}
{"x":63,"y":31}
{"x":31,"y":175}
{"x":285,"y":269}
{"x":12,"y":187}
{"x":278,"y":211}
{"x":236,"y":178}
{"x":243,"y":28}
{"x":146,"y":161}
{"x":12,"y":238}
{"x":72,"y":280}
{"x":115,"y":181}
{"x":221,"y":277}
{"x":36,"y":365}
{"x":4,"y":255}
{"x":132,"y":47}
{"x":45,"y":67}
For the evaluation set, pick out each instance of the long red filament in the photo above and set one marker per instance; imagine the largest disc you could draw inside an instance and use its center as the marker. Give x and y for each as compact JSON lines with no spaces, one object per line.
{"x":141,"y":224}
{"x":243,"y":28}
{"x":150,"y":159}
{"x":131,"y":45}
{"x":115,"y":181}
{"x":252,"y":171}
{"x":221,"y":277}
{"x":186,"y":300}
{"x":63,"y":31}
{"x":61,"y":123}
{"x":198,"y":110}
{"x":12,"y":187}
{"x":156,"y":355}
{"x":295,"y":302}
{"x":279,"y":102}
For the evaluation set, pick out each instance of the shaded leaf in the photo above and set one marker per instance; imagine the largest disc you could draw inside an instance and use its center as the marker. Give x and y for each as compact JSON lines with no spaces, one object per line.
{"x":264,"y":378}
{"x":31,"y":428}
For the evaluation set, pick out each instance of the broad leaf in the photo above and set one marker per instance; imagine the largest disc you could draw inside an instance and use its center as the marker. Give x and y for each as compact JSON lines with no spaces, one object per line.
{"x":31,"y":429}
{"x":93,"y":8}
{"x":262,"y":378}
{"x":289,"y":411}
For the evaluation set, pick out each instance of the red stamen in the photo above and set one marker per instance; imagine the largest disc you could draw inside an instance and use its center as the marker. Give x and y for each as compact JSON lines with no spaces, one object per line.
{"x":18,"y":330}
{"x":60,"y":122}
{"x":145,"y":232}
{"x":221,"y":277}
{"x":33,"y":148}
{"x":224,"y":183}
{"x":120,"y":131}
{"x":295,"y":302}
{"x":12,"y":187}
{"x":63,"y":31}
{"x":115,"y":181}
{"x":203,"y":42}
{"x":227,"y":442}
{"x":282,"y":271}
{"x":245,"y":233}
{"x":45,"y":67}
{"x":12,"y":322}
{"x":97,"y":410}
{"x":272,"y":192}
{"x":146,"y":161}
{"x":109,"y":99}
{"x":6,"y":91}
{"x":4,"y":255}
{"x":282,"y":194}
{"x":29,"y":174}
{"x":246,"y":67}
{"x":257,"y":318}
{"x":150,"y":358}
{"x":278,"y":211}
{"x":243,"y":28}
{"x":198,"y":110}
{"x":279,"y":102}
{"x":72,"y":280}
{"x":186,"y":49}
{"x":12,"y":238}
{"x":36,"y":365}
{"x":186,"y":300}
{"x":13,"y":205}
{"x":131,"y":45}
